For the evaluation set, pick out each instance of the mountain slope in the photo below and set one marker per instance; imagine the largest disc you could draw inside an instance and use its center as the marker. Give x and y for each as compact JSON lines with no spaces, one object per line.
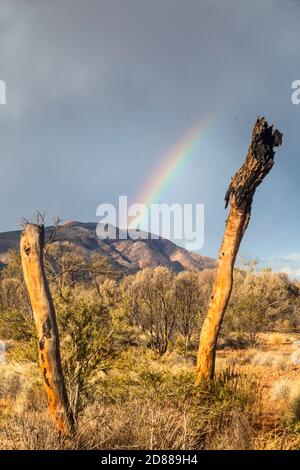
{"x":127,"y":255}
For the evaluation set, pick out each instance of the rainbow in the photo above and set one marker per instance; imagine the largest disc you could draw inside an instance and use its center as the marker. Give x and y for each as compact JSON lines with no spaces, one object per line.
{"x":172,"y":163}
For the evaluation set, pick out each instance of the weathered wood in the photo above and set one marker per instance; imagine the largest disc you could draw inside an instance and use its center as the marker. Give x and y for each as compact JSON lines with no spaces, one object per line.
{"x":258,"y":163}
{"x":31,"y":248}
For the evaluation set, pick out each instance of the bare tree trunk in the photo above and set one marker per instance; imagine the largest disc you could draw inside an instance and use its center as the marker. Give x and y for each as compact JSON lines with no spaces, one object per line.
{"x":31,"y":247}
{"x":258,"y":163}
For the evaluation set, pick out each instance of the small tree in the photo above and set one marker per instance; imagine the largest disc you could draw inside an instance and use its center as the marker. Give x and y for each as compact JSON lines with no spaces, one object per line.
{"x":257,"y":301}
{"x":16,"y":319}
{"x":148,"y":302}
{"x":84,"y":292}
{"x":190,"y":300}
{"x":87,"y":340}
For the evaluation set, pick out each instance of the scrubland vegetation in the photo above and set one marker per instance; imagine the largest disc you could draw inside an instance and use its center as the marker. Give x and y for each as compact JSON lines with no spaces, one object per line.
{"x":128,"y":346}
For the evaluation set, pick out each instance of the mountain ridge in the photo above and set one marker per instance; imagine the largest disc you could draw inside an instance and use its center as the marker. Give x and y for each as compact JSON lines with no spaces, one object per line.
{"x":125,"y":254}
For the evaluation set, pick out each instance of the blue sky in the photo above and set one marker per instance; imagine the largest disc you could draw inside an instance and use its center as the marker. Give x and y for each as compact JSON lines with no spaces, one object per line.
{"x":98,"y":91}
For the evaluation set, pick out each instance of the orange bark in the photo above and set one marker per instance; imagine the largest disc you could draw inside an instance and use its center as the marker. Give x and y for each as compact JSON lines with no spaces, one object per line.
{"x":31,"y":248}
{"x":258,"y":163}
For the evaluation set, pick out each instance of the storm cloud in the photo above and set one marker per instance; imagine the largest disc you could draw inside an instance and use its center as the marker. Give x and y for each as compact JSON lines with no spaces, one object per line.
{"x":98,"y":91}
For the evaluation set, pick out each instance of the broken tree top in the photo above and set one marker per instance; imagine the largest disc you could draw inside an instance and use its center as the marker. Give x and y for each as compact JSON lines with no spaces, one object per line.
{"x":258,"y":163}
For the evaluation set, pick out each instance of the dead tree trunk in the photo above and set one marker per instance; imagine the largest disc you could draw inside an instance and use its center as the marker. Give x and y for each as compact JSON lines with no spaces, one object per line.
{"x":31,"y":247}
{"x":258,"y":163}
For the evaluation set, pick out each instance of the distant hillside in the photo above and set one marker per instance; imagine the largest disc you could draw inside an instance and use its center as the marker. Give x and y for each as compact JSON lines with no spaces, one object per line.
{"x":126,"y":255}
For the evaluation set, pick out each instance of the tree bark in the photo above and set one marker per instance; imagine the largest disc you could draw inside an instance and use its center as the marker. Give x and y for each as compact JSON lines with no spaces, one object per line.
{"x":258,"y":163}
{"x":32,"y":248}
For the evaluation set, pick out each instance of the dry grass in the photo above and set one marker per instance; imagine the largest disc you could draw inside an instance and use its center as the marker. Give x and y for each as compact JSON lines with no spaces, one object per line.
{"x":281,"y":438}
{"x":152,"y":404}
{"x":281,"y":390}
{"x":271,"y":359}
{"x":277,"y":338}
